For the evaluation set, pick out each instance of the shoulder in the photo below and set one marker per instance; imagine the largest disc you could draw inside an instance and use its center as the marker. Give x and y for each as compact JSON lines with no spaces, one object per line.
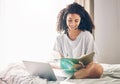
{"x":61,"y":36}
{"x":87,"y":35}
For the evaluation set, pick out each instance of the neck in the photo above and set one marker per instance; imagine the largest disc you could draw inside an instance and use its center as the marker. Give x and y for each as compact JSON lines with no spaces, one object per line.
{"x":72,"y":34}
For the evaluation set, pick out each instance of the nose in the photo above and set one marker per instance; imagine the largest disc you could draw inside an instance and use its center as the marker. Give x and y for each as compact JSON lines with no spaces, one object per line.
{"x":72,"y":24}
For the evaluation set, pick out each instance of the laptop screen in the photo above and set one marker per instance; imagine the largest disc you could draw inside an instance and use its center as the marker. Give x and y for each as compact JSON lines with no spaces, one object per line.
{"x":43,"y":70}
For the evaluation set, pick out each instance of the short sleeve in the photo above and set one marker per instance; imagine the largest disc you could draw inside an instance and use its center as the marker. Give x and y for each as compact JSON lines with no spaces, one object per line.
{"x":57,"y":48}
{"x":91,"y":46}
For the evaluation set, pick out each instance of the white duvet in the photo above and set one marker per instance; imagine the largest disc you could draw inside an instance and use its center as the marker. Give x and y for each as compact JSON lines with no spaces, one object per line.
{"x":111,"y":70}
{"x":17,"y":74}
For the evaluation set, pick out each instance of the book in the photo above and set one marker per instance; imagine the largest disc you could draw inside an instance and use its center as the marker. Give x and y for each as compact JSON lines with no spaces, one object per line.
{"x":71,"y":65}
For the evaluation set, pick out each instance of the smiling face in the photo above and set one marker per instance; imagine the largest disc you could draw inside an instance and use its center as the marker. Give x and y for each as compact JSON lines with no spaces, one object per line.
{"x":73,"y":21}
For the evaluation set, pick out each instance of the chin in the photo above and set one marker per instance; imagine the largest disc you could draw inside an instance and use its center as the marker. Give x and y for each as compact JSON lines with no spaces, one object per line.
{"x":73,"y":28}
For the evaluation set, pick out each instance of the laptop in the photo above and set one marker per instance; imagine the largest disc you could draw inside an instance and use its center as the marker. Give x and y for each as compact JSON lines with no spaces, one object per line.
{"x":43,"y":70}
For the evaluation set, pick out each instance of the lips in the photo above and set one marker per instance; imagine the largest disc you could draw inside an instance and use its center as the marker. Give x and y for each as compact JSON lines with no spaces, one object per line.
{"x":73,"y":28}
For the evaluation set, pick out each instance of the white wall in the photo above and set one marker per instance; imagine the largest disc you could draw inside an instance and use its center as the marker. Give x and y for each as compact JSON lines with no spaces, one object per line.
{"x":107,"y":33}
{"x":28,"y":29}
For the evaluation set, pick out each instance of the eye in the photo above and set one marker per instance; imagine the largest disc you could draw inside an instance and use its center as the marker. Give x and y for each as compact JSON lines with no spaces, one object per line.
{"x":76,"y":21}
{"x":69,"y":20}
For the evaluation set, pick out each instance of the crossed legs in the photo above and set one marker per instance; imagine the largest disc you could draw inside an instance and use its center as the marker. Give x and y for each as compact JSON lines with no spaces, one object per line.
{"x":92,"y":70}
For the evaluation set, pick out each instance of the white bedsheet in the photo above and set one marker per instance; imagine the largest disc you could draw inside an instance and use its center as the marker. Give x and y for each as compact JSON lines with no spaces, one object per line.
{"x":17,"y":74}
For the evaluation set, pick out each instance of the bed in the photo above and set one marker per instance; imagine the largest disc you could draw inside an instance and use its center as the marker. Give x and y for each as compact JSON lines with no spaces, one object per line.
{"x":15,"y":73}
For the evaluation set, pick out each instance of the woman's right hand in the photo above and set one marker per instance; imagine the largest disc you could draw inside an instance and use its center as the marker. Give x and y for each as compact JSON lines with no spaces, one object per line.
{"x":78,"y":66}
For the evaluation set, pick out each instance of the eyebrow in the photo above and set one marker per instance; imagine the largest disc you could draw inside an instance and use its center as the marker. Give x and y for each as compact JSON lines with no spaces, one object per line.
{"x":71,"y":18}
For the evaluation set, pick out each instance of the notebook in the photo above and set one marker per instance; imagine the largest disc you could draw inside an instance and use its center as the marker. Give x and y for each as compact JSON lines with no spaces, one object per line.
{"x":43,"y":70}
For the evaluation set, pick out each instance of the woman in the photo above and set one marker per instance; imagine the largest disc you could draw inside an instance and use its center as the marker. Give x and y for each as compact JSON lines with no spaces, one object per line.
{"x":75,"y":27}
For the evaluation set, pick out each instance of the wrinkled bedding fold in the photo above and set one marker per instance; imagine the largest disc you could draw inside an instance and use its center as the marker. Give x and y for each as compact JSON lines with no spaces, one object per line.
{"x":17,"y":74}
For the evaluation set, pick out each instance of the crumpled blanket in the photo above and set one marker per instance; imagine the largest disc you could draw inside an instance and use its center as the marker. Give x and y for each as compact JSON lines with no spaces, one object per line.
{"x":111,"y":70}
{"x":16,"y":73}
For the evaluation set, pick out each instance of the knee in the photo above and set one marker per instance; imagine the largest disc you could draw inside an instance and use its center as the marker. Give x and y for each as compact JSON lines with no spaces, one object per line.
{"x":96,"y":71}
{"x":93,"y":70}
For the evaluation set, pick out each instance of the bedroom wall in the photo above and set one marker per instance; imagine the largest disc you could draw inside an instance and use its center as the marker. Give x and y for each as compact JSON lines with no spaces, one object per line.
{"x":107,"y":33}
{"x":28,"y":29}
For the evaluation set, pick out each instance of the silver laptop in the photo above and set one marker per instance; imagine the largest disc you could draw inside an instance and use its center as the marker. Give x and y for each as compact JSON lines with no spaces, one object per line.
{"x":43,"y":70}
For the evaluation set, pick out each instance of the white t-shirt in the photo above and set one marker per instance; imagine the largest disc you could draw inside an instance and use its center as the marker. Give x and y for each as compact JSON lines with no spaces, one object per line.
{"x":83,"y":44}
